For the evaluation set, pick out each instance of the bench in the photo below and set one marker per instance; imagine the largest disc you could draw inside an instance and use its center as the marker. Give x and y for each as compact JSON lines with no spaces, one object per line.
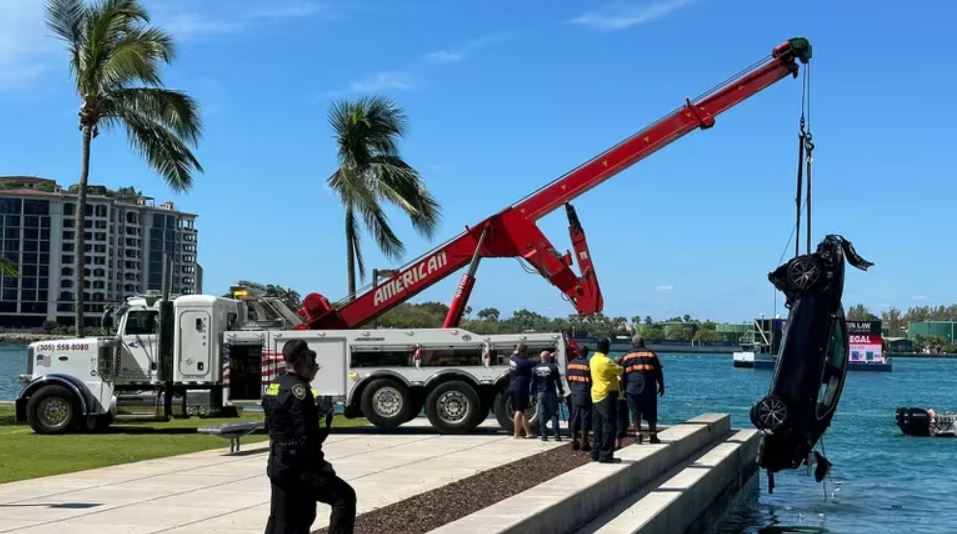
{"x":231,"y":431}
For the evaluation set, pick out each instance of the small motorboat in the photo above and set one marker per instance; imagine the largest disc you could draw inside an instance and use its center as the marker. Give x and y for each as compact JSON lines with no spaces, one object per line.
{"x":927,"y":422}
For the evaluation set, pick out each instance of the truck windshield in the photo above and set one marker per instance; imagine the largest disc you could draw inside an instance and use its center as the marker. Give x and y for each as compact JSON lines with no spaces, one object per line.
{"x":141,"y":322}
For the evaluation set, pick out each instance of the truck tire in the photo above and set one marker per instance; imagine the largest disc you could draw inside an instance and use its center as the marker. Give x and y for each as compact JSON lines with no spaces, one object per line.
{"x":504,"y":414}
{"x":503,"y":410}
{"x":52,"y":410}
{"x":453,"y":408}
{"x":387,"y":403}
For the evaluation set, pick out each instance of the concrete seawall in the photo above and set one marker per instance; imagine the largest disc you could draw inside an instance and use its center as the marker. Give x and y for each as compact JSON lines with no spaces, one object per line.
{"x":676,"y":486}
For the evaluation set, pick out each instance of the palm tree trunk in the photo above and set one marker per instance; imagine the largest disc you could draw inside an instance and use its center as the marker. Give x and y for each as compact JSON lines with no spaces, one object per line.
{"x":80,"y":230}
{"x":351,"y":252}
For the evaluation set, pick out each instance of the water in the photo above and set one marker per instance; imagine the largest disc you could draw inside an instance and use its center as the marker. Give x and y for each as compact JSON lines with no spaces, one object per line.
{"x":12,"y":364}
{"x":882,"y":481}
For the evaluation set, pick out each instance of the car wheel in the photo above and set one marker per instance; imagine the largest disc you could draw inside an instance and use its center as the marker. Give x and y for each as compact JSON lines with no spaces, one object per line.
{"x":804,"y":273}
{"x":387,"y":403}
{"x":770,"y":414}
{"x":52,"y":410}
{"x":453,"y":408}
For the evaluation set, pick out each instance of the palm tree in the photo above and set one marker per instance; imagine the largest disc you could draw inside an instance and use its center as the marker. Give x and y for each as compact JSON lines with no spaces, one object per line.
{"x":370,"y":172}
{"x":115,"y":58}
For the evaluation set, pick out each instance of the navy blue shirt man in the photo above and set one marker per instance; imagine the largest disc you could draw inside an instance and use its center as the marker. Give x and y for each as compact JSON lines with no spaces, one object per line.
{"x":547,"y":386}
{"x":641,"y":376}
{"x":519,"y":381}
{"x":578,"y":375}
{"x":297,"y":470}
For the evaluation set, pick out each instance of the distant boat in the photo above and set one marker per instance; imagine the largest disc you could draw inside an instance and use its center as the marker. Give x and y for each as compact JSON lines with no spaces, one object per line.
{"x":865,"y":340}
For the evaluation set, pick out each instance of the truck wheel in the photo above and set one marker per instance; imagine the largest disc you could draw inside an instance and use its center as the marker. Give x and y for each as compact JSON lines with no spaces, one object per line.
{"x":52,"y":410}
{"x":502,"y":406}
{"x":453,"y":408}
{"x":503,"y":410}
{"x":387,"y":403}
{"x":770,"y":414}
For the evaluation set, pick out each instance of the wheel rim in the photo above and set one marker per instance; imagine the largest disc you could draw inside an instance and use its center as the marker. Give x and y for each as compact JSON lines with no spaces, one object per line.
{"x":54,"y":412}
{"x":387,"y":401}
{"x":453,"y":407}
{"x":772,"y":413}
{"x":803,"y":274}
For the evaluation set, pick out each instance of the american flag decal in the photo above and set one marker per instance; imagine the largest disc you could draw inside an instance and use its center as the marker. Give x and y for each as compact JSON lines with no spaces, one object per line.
{"x":271,"y":363}
{"x":43,"y":360}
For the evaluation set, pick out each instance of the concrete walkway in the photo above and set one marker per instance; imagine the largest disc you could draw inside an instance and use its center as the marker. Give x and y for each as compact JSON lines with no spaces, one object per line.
{"x":211,"y":491}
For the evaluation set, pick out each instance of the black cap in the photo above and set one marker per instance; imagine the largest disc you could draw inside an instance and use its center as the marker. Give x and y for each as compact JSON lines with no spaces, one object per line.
{"x":296,"y":349}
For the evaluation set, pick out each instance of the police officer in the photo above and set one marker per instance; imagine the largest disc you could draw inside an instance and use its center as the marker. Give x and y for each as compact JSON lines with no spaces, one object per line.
{"x":579,"y":382}
{"x":547,"y":386}
{"x":297,"y":471}
{"x":642,"y":373}
{"x":519,"y":382}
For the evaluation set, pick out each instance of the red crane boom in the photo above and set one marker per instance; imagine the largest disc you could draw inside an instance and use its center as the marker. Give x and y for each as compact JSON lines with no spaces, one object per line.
{"x":513,"y":232}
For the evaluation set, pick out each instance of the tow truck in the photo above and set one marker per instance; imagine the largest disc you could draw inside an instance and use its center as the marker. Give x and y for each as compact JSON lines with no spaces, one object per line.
{"x":198,"y":355}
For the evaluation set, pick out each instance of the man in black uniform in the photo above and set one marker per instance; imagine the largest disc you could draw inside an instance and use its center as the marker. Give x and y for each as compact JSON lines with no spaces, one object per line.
{"x":642,"y":373}
{"x":297,"y":471}
{"x":547,"y":385}
{"x":579,"y":382}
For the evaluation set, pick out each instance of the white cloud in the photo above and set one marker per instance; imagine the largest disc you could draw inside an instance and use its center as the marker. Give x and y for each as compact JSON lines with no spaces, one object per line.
{"x":26,"y":46}
{"x":406,"y":79}
{"x":619,"y":16}
{"x":183,"y":20}
{"x":443,"y":56}
{"x":919,"y":297}
{"x":664,"y":288}
{"x":383,"y":81}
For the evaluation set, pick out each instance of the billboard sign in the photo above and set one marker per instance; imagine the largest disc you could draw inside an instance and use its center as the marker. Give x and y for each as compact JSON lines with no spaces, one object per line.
{"x":866,"y":348}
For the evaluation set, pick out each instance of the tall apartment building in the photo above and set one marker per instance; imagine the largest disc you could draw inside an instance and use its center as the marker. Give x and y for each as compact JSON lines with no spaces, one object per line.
{"x":126,"y":237}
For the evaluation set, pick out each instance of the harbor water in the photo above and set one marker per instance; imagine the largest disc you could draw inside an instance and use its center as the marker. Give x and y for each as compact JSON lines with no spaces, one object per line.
{"x":882,"y":481}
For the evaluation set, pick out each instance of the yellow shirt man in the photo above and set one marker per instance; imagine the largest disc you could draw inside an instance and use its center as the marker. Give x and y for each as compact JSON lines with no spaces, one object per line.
{"x":604,"y":376}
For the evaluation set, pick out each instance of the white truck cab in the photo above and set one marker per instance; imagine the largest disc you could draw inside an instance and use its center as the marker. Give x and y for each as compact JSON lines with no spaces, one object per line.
{"x":202,"y":355}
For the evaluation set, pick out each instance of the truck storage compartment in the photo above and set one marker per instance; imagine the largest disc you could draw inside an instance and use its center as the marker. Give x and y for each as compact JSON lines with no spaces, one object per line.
{"x":244,"y":372}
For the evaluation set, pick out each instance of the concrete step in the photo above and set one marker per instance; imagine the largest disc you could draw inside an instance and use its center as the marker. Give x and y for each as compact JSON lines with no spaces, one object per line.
{"x":690,"y":497}
{"x":567,"y":502}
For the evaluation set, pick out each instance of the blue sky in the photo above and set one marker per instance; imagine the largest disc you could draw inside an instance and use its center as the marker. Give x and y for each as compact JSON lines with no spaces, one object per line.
{"x":502,"y":97}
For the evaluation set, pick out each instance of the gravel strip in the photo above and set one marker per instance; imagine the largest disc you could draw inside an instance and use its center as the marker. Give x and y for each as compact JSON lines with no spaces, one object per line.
{"x":431,"y":510}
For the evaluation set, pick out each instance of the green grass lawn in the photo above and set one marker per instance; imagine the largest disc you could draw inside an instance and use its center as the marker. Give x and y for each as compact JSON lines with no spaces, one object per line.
{"x":24,"y":454}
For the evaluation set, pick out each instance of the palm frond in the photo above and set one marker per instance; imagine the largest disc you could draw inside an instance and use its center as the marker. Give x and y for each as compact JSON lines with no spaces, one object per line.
{"x":162,"y":148}
{"x":174,"y":110}
{"x":67,"y":20}
{"x":356,"y":239}
{"x":377,"y":222}
{"x":136,"y":56}
{"x":106,"y":24}
{"x":400,"y":184}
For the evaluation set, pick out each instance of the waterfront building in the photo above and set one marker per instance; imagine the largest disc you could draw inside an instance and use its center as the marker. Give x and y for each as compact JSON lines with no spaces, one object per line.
{"x":126,"y":235}
{"x":945,"y":330}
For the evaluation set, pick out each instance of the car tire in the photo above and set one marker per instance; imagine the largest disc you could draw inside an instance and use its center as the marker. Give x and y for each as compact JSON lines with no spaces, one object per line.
{"x":453,"y":408}
{"x":804,"y":273}
{"x":387,"y":403}
{"x":53,"y":410}
{"x":770,"y":414}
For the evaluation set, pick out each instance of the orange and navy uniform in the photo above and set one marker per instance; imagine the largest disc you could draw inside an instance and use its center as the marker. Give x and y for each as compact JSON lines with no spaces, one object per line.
{"x":579,"y":381}
{"x":642,"y":370}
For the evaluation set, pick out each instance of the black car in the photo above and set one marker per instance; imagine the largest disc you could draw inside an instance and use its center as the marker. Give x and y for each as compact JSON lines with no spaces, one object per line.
{"x":812,"y":358}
